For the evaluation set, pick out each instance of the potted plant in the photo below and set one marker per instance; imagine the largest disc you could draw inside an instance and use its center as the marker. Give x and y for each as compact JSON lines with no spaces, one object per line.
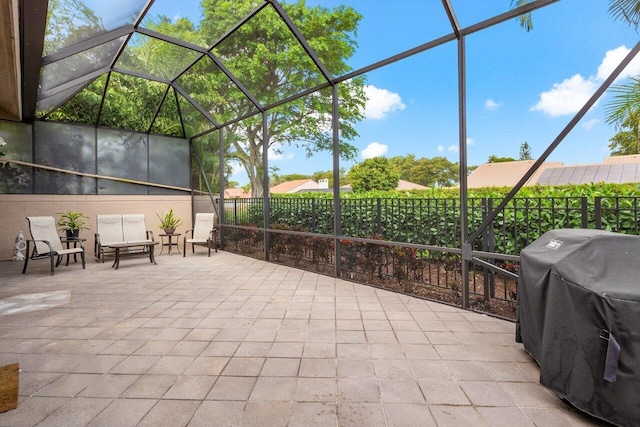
{"x":169,"y":221}
{"x":72,"y":222}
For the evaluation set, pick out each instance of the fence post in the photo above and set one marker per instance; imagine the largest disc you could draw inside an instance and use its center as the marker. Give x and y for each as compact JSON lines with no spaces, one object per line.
{"x":313,"y":215}
{"x":597,"y":201}
{"x":235,"y":211}
{"x":379,"y":208}
{"x":585,"y":212}
{"x":486,"y":274}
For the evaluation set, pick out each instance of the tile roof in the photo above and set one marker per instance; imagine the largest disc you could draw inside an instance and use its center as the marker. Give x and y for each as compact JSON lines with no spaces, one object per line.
{"x":618,"y":173}
{"x":631,"y":158}
{"x":289,"y":186}
{"x":406,"y":185}
{"x":506,"y":174}
{"x":236,"y":193}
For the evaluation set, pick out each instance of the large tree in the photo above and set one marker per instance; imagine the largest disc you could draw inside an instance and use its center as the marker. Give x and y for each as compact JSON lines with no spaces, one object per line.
{"x":434,"y":172}
{"x":264,"y":57}
{"x":376,"y":173}
{"x":268,"y":60}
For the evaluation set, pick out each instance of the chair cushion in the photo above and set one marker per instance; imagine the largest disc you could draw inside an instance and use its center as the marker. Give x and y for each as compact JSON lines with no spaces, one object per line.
{"x":70,"y":251}
{"x":204,"y":224}
{"x":197,"y":240}
{"x":44,"y":228}
{"x":109,"y":229}
{"x":134,"y":228}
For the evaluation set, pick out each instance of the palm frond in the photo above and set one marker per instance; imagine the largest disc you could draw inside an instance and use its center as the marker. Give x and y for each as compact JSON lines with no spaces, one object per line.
{"x":626,"y":10}
{"x":625,"y":103}
{"x":525,"y":20}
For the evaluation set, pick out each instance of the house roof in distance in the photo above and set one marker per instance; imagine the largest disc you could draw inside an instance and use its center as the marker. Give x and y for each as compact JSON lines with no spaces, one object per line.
{"x":236,"y":193}
{"x":630,"y":158}
{"x":294,"y":186}
{"x":506,"y":174}
{"x":614,"y":169}
{"x":615,"y":173}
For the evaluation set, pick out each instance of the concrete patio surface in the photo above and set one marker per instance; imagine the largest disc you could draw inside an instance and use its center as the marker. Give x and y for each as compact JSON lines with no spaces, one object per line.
{"x":230,"y":340}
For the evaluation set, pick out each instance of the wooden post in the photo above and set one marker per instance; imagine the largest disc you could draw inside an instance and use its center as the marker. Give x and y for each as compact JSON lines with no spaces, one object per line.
{"x":9,"y":379}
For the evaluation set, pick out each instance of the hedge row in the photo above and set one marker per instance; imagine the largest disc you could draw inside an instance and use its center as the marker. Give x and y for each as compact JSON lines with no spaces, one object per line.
{"x":419,"y":217}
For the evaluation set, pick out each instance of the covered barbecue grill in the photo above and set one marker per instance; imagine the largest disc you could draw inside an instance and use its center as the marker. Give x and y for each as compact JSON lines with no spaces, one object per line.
{"x":579,"y":317}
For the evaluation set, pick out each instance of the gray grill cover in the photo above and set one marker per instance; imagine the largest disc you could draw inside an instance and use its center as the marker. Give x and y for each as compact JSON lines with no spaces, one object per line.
{"x":575,"y":287}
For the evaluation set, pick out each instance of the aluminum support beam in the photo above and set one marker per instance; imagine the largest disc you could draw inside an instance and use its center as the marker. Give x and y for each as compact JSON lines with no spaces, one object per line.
{"x":265,"y":184}
{"x":337,"y":202}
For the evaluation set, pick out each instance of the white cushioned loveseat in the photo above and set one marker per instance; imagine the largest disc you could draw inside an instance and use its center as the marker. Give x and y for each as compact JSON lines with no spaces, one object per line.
{"x":119,"y":229}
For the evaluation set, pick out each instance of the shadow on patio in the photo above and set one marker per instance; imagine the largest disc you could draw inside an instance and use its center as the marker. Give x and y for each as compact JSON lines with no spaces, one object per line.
{"x":230,"y":340}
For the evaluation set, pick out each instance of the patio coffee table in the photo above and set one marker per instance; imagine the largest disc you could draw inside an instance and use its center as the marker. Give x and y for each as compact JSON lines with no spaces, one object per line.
{"x":118,"y":246}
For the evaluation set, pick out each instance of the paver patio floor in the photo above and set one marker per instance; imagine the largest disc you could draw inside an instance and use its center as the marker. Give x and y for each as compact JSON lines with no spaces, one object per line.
{"x":230,"y":340}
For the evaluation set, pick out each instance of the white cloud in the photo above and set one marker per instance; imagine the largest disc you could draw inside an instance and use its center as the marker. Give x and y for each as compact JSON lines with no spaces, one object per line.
{"x":375,"y":149}
{"x":471,"y":141}
{"x":611,"y":60}
{"x":381,"y":102}
{"x":566,"y":97}
{"x":440,"y":149}
{"x":492,"y":105}
{"x":453,"y":148}
{"x":570,"y":95}
{"x":588,"y":125}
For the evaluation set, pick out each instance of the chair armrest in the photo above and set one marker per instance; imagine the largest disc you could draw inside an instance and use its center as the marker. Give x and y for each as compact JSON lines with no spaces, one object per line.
{"x":35,"y":247}
{"x":150,"y":235}
{"x":187,"y":232}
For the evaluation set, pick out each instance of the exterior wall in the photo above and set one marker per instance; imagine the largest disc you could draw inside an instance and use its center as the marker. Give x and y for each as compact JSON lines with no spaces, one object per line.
{"x":14,"y":209}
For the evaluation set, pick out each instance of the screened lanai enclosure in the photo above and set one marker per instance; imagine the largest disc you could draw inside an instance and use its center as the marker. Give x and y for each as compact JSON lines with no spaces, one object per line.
{"x":118,"y":98}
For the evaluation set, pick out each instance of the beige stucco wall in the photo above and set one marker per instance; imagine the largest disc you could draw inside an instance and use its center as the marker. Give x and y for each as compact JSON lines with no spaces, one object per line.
{"x":15,"y":208}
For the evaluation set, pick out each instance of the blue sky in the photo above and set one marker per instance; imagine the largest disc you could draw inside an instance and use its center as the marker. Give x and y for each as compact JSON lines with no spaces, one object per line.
{"x":521,"y":86}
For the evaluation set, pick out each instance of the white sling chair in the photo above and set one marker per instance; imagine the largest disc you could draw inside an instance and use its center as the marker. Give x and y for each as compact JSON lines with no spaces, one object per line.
{"x":203,"y":234}
{"x":47,"y":244}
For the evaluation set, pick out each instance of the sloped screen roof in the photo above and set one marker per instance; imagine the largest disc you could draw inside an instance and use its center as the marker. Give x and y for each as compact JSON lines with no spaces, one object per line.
{"x":172,"y":76}
{"x":126,"y":54}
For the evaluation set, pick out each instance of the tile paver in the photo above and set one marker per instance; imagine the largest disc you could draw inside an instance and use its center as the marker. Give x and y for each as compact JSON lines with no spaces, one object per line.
{"x":242,"y":342}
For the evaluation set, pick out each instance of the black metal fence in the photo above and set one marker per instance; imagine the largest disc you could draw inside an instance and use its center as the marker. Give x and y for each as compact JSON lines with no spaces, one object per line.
{"x":413,"y":245}
{"x":437,"y":221}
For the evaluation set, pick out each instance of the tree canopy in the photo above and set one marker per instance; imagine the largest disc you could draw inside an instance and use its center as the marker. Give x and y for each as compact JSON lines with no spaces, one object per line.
{"x":497,"y":159}
{"x":624,"y":112}
{"x":434,"y":172}
{"x":525,"y":151}
{"x":376,"y":173}
{"x":256,"y":66}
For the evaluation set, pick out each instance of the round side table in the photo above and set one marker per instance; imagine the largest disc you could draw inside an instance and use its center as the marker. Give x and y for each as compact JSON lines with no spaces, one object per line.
{"x":170,"y":242}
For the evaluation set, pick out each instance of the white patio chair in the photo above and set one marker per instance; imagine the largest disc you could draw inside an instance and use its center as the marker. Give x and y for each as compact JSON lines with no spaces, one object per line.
{"x":108,"y":232}
{"x":135,"y":230}
{"x":204,"y":233}
{"x":47,"y":243}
